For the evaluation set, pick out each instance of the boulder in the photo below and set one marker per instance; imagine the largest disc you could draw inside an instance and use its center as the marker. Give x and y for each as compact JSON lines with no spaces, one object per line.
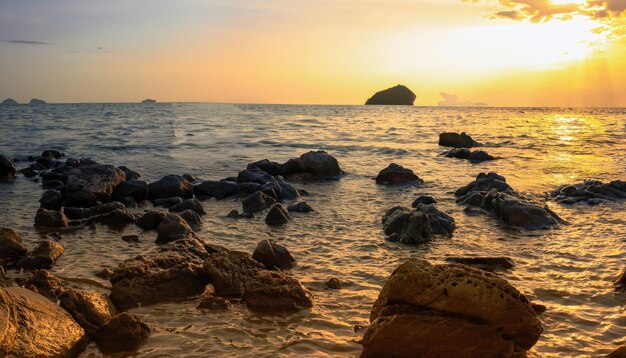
{"x":396,"y":174}
{"x":423,"y":200}
{"x":590,"y":192}
{"x":9,"y":102}
{"x":45,"y":284}
{"x":124,"y":333}
{"x":485,"y":182}
{"x":169,"y":186}
{"x":216,"y":189}
{"x":320,"y":164}
{"x":334,"y":283}
{"x":490,"y":264}
{"x":245,"y":189}
{"x":91,"y":309}
{"x":130,"y":174}
{"x":477,"y":156}
{"x":11,"y":249}
{"x":51,"y":199}
{"x":43,"y":256}
{"x":90,"y":184}
{"x":300,"y":207}
{"x":254,"y":175}
{"x":416,"y":226}
{"x":167,"y":202}
{"x":86,"y":213}
{"x":287,"y":192}
{"x":456,"y":140}
{"x":398,"y":95}
{"x":422,"y":308}
{"x":37,"y":102}
{"x":7,"y":169}
{"x":189,"y":204}
{"x":150,"y":220}
{"x":192,"y":218}
{"x":172,"y":228}
{"x":33,"y":326}
{"x":273,"y":255}
{"x":134,"y":188}
{"x":50,"y":218}
{"x":256,"y":202}
{"x":277,"y":215}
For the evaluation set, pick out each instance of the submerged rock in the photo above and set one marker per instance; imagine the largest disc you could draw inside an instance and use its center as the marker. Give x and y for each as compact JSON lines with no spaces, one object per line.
{"x":91,"y":309}
{"x":476,"y":156}
{"x":334,"y":284}
{"x":398,"y":95}
{"x":396,"y":174}
{"x":43,"y":256}
{"x":456,"y":140}
{"x":11,"y":249}
{"x":124,"y":333}
{"x":485,"y":263}
{"x":416,"y":226}
{"x":590,"y":192}
{"x":256,"y":202}
{"x":273,"y":255}
{"x":277,"y":215}
{"x":170,"y":186}
{"x":189,"y":204}
{"x":449,"y":310}
{"x":7,"y":169}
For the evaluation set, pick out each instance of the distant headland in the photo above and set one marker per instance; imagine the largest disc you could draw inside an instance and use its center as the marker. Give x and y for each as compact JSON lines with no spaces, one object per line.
{"x":149,"y":100}
{"x":398,"y":95}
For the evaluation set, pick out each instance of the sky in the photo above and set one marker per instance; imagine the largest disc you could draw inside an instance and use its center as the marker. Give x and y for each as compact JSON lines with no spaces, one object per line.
{"x":568,"y":53}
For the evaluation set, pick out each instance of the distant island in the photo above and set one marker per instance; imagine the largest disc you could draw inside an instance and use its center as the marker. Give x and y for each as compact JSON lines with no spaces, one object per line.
{"x":149,"y":100}
{"x":37,"y":102}
{"x":399,"y":95}
{"x":9,"y":102}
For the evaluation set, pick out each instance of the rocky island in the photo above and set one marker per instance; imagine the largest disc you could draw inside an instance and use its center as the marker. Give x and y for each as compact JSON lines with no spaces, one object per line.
{"x":399,"y":95}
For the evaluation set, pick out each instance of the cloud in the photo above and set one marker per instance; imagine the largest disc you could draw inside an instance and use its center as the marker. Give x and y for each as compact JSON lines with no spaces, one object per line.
{"x":26,"y":42}
{"x":452,"y":100}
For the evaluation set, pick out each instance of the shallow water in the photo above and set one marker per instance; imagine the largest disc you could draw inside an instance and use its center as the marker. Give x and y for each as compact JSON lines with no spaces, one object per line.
{"x":570,"y":269}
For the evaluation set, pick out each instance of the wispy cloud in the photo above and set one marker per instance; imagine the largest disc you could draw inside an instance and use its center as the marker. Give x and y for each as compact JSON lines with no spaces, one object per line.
{"x":26,"y":42}
{"x":452,"y":100}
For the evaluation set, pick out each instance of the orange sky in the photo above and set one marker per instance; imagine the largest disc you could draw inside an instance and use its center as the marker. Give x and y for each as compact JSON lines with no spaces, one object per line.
{"x":504,"y":53}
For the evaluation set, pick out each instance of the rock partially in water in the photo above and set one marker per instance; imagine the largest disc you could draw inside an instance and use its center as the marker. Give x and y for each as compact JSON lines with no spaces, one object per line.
{"x":192,"y":218}
{"x":189,"y":204}
{"x":490,"y":264}
{"x":219,"y":190}
{"x":167,"y":202}
{"x":277,"y":215}
{"x":51,"y":199}
{"x":43,"y":256}
{"x":398,"y":95}
{"x":476,"y":156}
{"x":130,"y":174}
{"x":91,"y":309}
{"x":416,"y":226}
{"x":619,"y":352}
{"x":45,"y":284}
{"x":273,"y":255}
{"x":86,"y":213}
{"x":256,"y":202}
{"x":134,"y":188}
{"x":125,"y":333}
{"x":486,"y":182}
{"x":620,"y":283}
{"x":449,"y":310}
{"x":88,"y":185}
{"x":7,"y":169}
{"x":213,"y":303}
{"x":590,"y":192}
{"x":423,"y":200}
{"x":11,"y":248}
{"x":169,"y":186}
{"x":300,"y":207}
{"x":33,"y":326}
{"x":173,"y":228}
{"x":456,"y":140}
{"x":334,"y":283}
{"x":320,"y":164}
{"x":396,"y":174}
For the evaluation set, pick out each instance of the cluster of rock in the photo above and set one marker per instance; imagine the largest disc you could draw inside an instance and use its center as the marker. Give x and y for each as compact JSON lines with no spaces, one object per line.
{"x":591,"y":192}
{"x":491,"y":193}
{"x":417,"y":225}
{"x":7,"y":169}
{"x":476,"y":156}
{"x":461,"y":144}
{"x":452,"y":310}
{"x":33,"y":102}
{"x":14,"y":255}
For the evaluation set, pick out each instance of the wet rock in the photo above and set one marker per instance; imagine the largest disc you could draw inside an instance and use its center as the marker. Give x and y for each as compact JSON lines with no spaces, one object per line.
{"x":43,"y":256}
{"x":90,"y":184}
{"x":485,"y":182}
{"x":91,"y":309}
{"x":53,"y":185}
{"x":134,"y":188}
{"x":45,"y":284}
{"x":456,"y":140}
{"x":189,"y":204}
{"x":300,"y":207}
{"x":256,"y":202}
{"x":213,"y":303}
{"x":216,"y":189}
{"x":334,"y":283}
{"x":52,"y":153}
{"x":105,"y":273}
{"x":539,"y":308}
{"x":271,"y":189}
{"x":320,"y":164}
{"x":11,"y":249}
{"x":172,"y":228}
{"x":229,"y":271}
{"x":287,"y":192}
{"x":416,"y":226}
{"x":277,"y":215}
{"x":396,"y":174}
{"x":192,"y":218}
{"x":620,"y":283}
{"x":28,"y":172}
{"x":591,"y":192}
{"x":50,"y":218}
{"x":51,"y":199}
{"x":117,"y":218}
{"x":272,"y":168}
{"x":33,"y":326}
{"x":619,"y":352}
{"x":7,"y":169}
{"x":53,"y":175}
{"x":85,"y":213}
{"x":254,"y":175}
{"x":4,"y":280}
{"x":169,"y":186}
{"x":167,"y":202}
{"x":485,"y":263}
{"x":423,"y":200}
{"x":128,"y":202}
{"x":130,"y":238}
{"x":422,"y":308}
{"x":130,"y":174}
{"x":124,"y":333}
{"x":398,"y":95}
{"x":477,"y":156}
{"x":245,"y":189}
{"x":273,"y":255}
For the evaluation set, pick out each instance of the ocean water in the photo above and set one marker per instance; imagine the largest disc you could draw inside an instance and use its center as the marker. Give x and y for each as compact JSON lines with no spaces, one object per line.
{"x":569,"y":269}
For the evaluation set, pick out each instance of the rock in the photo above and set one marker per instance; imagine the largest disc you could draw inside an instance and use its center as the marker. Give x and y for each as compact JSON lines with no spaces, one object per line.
{"x":91,"y":309}
{"x":105,"y":273}
{"x":485,"y":263}
{"x":130,"y":238}
{"x":423,"y":200}
{"x":117,"y":219}
{"x":619,"y":352}
{"x":130,"y":174}
{"x":456,"y":140}
{"x":53,"y":184}
{"x":43,"y":256}
{"x":485,"y":182}
{"x":124,"y":333}
{"x":189,"y":204}
{"x":254,"y":175}
{"x":422,"y":308}
{"x":245,"y":189}
{"x":37,"y":102}
{"x":128,"y":202}
{"x":169,"y":186}
{"x":11,"y":249}
{"x":273,"y":255}
{"x":86,"y":213}
{"x":272,"y":168}
{"x":174,"y":273}
{"x":33,"y":326}
{"x":396,"y":174}
{"x":90,"y":184}
{"x":300,"y":207}
{"x":7,"y":169}
{"x":28,"y":172}
{"x":167,"y":202}
{"x":538,"y":308}
{"x":50,"y":218}
{"x":416,"y":226}
{"x":591,"y":192}
{"x":256,"y":202}
{"x":9,"y":102}
{"x":277,"y":215}
{"x":134,"y":188}
{"x":172,"y":228}
{"x":620,"y":283}
{"x":216,"y":189}
{"x":334,"y":284}
{"x":45,"y":284}
{"x":398,"y":95}
{"x":213,"y":303}
{"x":52,"y":153}
{"x":4,"y":280}
{"x":233,"y":214}
{"x":229,"y":271}
{"x":51,"y":199}
{"x":320,"y":164}
{"x":477,"y":156}
{"x":192,"y":218}
{"x":287,"y":192}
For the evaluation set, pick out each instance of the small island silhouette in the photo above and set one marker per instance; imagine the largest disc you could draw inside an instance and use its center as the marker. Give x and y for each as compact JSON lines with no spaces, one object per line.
{"x":398,"y":95}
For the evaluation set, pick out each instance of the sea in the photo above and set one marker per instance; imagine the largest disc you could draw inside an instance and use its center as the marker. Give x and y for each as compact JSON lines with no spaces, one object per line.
{"x":569,"y":269}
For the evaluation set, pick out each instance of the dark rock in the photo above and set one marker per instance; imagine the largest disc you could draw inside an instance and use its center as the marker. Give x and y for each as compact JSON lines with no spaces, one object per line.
{"x":216,"y":189}
{"x":130,"y":238}
{"x":4,"y":280}
{"x":416,"y":226}
{"x":273,"y":255}
{"x":334,"y":283}
{"x":398,"y":95}
{"x":422,"y":308}
{"x":45,"y":284}
{"x":53,"y":184}
{"x":213,"y":303}
{"x":538,"y":308}
{"x":396,"y":174}
{"x":254,"y":175}
{"x":619,"y":352}
{"x":43,"y":256}
{"x":37,"y":102}
{"x":11,"y":249}
{"x":423,"y":200}
{"x":167,"y":202}
{"x":277,"y":215}
{"x":271,"y":189}
{"x":485,"y":263}
{"x":46,"y":162}
{"x":51,"y":199}
{"x":300,"y":207}
{"x":189,"y":204}
{"x":479,"y":156}
{"x":591,"y":192}
{"x":28,"y":172}
{"x":150,"y":220}
{"x":130,"y":174}
{"x":50,"y":218}
{"x":172,"y":228}
{"x":7,"y":169}
{"x":269,"y":167}
{"x":256,"y":202}
{"x":486,"y":182}
{"x":190,"y":178}
{"x":85,"y":213}
{"x":33,"y":326}
{"x":620,"y":283}
{"x":456,"y":140}
{"x":128,"y":202}
{"x":117,"y":218}
{"x":105,"y":273}
{"x":287,"y":192}
{"x":124,"y":333}
{"x":91,"y":309}
{"x":234,"y":214}
{"x":320,"y":164}
{"x":134,"y":188}
{"x":88,"y":185}
{"x":192,"y":218}
{"x":52,"y":153}
{"x":9,"y":102}
{"x":52,"y":175}
{"x":169,"y":186}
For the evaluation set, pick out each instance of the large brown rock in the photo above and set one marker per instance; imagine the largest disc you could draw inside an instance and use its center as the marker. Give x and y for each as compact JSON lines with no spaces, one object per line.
{"x":173,"y":228}
{"x":50,"y":219}
{"x":423,"y":297}
{"x":91,"y":309}
{"x":43,"y":256}
{"x":273,"y":255}
{"x":87,"y":185}
{"x":33,"y":326}
{"x":44,"y":283}
{"x":11,"y":248}
{"x":124,"y":333}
